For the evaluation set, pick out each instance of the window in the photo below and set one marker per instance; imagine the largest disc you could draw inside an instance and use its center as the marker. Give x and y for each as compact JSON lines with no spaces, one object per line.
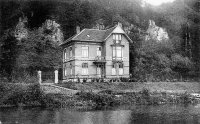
{"x":99,"y":51}
{"x":71,"y":71}
{"x":114,"y":69}
{"x":117,"y":52}
{"x":85,"y":51}
{"x":65,"y":70}
{"x":117,"y":38}
{"x":70,"y":51}
{"x":65,"y":54}
{"x":85,"y":69}
{"x":121,"y":69}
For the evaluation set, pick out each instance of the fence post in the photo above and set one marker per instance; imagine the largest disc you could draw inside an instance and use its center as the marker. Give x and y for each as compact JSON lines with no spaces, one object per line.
{"x":40,"y":77}
{"x":56,"y":76}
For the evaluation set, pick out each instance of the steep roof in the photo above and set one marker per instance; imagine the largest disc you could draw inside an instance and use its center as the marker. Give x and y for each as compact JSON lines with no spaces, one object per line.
{"x":90,"y":35}
{"x":93,"y":35}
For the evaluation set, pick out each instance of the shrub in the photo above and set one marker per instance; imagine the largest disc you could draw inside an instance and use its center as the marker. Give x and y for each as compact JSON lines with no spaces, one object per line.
{"x":122,"y":79}
{"x":186,"y":98}
{"x":27,"y":95}
{"x":100,"y":99}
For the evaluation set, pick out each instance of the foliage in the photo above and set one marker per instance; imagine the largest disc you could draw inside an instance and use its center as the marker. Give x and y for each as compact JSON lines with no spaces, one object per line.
{"x":148,"y":58}
{"x":22,"y":94}
{"x":38,"y":52}
{"x":158,"y":61}
{"x":100,"y":99}
{"x":8,"y":53}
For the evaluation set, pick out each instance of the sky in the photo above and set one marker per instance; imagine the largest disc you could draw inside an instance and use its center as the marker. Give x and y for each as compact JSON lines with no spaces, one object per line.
{"x":157,"y":2}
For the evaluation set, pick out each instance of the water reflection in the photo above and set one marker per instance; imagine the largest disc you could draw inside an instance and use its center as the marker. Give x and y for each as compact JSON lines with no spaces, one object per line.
{"x":124,"y":115}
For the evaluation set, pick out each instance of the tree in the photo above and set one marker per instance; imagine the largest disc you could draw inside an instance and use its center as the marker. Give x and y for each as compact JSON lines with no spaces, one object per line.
{"x":37,"y":52}
{"x":9,"y":52}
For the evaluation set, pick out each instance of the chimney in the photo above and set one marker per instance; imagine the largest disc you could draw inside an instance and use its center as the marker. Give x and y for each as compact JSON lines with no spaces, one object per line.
{"x":100,"y":26}
{"x":119,"y":24}
{"x":78,"y":30}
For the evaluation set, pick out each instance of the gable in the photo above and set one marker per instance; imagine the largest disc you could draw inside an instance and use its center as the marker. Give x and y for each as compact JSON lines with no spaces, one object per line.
{"x":123,"y":36}
{"x":118,"y":29}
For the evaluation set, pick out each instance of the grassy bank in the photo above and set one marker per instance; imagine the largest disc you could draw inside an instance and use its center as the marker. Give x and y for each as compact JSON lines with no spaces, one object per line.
{"x":108,"y":98}
{"x":12,"y":94}
{"x":173,"y":87}
{"x":144,"y":97}
{"x":92,"y":95}
{"x":112,"y":94}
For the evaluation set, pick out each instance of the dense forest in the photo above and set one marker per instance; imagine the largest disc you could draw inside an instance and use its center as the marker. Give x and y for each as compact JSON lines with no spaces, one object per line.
{"x":28,"y":44}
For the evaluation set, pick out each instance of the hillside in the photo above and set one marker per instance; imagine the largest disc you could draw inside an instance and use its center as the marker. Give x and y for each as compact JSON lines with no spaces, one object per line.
{"x":178,"y":57}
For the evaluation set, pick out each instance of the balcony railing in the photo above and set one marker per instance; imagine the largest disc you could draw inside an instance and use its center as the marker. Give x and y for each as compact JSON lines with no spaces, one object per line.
{"x":100,"y":59}
{"x":117,"y":58}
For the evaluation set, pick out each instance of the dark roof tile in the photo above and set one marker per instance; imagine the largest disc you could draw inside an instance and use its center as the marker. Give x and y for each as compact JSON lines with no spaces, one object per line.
{"x":94,"y":35}
{"x":90,"y":35}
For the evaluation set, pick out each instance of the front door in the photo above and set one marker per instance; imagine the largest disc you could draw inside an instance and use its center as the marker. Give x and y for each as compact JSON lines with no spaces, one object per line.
{"x":99,"y":71}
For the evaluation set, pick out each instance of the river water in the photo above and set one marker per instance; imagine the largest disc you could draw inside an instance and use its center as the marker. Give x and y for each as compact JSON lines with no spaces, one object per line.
{"x":166,"y":114}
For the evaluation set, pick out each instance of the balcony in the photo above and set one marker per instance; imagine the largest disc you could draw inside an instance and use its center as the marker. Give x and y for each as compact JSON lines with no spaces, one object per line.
{"x":117,"y":59}
{"x":99,"y":60}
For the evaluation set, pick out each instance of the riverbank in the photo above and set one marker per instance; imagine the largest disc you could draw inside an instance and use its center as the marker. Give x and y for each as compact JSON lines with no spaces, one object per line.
{"x":112,"y":94}
{"x":15,"y":95}
{"x":99,"y":94}
{"x":108,"y":98}
{"x":169,"y":87}
{"x":94,"y":95}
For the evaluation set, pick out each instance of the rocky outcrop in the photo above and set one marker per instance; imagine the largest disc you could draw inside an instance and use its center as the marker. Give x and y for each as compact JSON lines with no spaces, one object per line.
{"x":20,"y":30}
{"x":52,"y":30}
{"x":155,"y":32}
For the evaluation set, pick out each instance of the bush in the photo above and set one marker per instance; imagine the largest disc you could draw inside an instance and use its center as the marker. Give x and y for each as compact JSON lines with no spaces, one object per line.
{"x":26,"y":95}
{"x":100,"y":99}
{"x":186,"y":98}
{"x":69,"y":84}
{"x":122,"y":79}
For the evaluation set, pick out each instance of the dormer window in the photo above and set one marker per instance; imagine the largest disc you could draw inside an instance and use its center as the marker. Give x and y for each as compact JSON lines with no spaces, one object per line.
{"x":117,"y":38}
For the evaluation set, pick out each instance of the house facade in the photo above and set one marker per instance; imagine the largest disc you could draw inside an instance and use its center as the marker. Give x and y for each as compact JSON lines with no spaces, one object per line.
{"x":94,"y":53}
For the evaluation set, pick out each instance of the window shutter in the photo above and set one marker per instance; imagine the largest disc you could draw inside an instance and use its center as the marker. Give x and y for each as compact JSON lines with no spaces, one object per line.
{"x":114,"y":50}
{"x":70,"y":51}
{"x":71,"y":69}
{"x":65,"y":54}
